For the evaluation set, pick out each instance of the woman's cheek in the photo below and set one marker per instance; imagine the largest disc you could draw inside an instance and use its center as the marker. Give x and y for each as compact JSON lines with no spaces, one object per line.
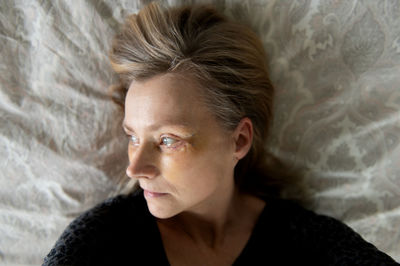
{"x":176,"y":166}
{"x":130,"y":151}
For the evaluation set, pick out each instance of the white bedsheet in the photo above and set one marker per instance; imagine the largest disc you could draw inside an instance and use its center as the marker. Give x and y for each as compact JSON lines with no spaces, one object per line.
{"x":335,"y":64}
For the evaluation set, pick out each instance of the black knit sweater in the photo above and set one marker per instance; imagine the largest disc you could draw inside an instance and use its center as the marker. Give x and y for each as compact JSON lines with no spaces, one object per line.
{"x":121,"y":231}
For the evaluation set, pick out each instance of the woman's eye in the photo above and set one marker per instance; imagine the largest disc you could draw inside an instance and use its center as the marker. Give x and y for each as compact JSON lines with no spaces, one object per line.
{"x":168,"y":142}
{"x":134,"y":140}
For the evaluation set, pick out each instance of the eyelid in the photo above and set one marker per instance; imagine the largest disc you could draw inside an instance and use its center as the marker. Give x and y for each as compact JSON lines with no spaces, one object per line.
{"x":127,"y":131}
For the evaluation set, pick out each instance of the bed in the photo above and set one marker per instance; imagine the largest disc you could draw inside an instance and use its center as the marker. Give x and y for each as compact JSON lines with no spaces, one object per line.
{"x":335,"y":65}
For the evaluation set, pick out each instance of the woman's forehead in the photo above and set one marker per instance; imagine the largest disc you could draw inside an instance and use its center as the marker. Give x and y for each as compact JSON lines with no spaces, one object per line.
{"x":168,"y":88}
{"x":165,"y":99}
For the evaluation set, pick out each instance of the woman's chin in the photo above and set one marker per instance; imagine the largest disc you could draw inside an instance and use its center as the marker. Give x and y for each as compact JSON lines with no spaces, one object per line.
{"x":161,"y":210}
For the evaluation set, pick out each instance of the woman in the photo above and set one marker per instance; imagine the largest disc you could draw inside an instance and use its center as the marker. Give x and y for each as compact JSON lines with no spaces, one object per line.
{"x":198,"y":104}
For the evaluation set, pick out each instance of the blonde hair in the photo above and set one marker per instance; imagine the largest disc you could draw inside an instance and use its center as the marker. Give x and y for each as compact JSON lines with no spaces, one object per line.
{"x":228,"y":61}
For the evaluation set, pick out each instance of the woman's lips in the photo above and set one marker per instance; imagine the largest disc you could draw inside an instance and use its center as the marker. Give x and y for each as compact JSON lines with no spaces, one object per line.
{"x":151,"y":194}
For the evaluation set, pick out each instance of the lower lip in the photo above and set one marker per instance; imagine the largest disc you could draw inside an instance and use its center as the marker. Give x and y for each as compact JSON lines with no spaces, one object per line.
{"x":149,"y":194}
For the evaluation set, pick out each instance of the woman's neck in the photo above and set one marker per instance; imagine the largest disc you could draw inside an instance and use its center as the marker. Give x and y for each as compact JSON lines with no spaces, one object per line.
{"x":210,"y":224}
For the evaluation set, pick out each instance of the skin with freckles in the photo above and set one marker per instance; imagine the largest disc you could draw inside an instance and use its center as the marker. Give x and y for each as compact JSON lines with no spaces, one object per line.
{"x":184,"y":160}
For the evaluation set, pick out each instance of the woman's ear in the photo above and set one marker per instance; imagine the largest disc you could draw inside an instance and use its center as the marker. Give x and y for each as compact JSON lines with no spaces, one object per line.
{"x":243,"y":137}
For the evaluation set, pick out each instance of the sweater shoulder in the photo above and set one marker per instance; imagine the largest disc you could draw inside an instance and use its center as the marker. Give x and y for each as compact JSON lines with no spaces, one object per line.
{"x":332,"y":241}
{"x":97,"y":229}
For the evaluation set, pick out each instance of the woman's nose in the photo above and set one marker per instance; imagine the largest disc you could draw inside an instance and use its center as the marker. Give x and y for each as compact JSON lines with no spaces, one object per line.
{"x":142,"y":162}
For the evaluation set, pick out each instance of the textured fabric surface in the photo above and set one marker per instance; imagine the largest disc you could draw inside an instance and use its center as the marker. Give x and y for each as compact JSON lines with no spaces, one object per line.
{"x":335,"y":65}
{"x":100,"y":237}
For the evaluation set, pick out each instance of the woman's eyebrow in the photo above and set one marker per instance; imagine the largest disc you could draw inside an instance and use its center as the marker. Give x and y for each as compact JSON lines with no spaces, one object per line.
{"x":155,"y":127}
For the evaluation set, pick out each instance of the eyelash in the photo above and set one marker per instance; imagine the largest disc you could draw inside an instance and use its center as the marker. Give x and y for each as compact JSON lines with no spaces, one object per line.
{"x":177,"y":143}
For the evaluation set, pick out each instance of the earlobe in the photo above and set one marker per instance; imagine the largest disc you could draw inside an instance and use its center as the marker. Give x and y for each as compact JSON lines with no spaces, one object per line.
{"x":243,"y":138}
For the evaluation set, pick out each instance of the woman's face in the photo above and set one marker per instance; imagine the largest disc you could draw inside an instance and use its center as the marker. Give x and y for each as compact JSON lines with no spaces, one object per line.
{"x":181,"y":156}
